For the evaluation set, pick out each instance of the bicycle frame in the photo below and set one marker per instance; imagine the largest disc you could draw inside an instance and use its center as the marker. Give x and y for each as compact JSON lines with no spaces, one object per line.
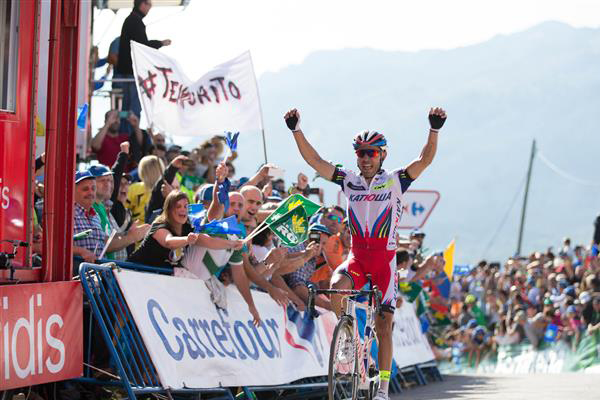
{"x":367,"y":378}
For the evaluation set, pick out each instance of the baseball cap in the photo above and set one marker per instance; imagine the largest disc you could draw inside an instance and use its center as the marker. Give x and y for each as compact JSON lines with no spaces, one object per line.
{"x":242,"y":181}
{"x":470,"y":299}
{"x":472,"y":324}
{"x":174,"y":148}
{"x":83,"y":175}
{"x":417,"y":232}
{"x":548,"y":301}
{"x":585,"y":297}
{"x":563,"y":284}
{"x":570,"y":291}
{"x":319,"y":228}
{"x":275,"y":196}
{"x":480,"y":330}
{"x":206,"y":193}
{"x":571,"y":309}
{"x":100,"y":170}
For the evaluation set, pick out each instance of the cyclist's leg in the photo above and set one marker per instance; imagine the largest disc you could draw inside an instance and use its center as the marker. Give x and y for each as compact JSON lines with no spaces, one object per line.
{"x":347,"y":276}
{"x":386,"y":279}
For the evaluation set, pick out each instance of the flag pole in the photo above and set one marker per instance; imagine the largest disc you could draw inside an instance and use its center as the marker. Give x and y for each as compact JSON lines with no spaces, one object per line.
{"x":262,"y":125}
{"x":524,"y":208}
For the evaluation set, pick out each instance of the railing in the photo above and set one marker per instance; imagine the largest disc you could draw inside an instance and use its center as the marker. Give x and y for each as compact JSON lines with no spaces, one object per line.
{"x":131,"y":367}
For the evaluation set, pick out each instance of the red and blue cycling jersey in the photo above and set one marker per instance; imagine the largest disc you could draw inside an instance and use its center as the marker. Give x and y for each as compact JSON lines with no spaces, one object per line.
{"x":374,"y":212}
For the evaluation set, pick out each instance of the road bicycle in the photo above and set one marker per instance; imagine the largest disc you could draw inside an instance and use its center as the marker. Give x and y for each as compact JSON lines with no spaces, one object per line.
{"x":353,"y":373}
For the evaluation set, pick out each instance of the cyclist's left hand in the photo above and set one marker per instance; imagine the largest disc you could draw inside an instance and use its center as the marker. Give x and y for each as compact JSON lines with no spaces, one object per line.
{"x":437,"y":117}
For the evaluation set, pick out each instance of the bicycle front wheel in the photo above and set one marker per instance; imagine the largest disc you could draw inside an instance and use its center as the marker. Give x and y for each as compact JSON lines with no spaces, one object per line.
{"x":343,"y":362}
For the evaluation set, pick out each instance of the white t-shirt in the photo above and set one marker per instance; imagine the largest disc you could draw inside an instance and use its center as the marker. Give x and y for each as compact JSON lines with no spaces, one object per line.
{"x":260,"y":252}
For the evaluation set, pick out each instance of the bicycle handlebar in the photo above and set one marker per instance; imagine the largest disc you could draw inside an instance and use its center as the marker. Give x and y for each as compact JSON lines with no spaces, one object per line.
{"x":373,"y":293}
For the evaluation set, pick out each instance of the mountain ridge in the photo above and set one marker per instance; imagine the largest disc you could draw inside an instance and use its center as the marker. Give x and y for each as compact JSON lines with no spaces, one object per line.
{"x":500,"y":94}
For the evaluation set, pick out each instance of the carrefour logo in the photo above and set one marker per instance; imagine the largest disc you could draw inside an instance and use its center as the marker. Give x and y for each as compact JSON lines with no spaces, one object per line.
{"x":371,"y":197}
{"x":211,"y":338}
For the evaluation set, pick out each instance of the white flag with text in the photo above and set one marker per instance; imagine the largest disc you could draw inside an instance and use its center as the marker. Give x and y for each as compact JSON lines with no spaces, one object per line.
{"x":224,"y":99}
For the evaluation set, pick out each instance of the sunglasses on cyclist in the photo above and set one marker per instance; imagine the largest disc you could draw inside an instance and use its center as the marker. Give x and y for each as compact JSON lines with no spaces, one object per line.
{"x":335,"y":218}
{"x":370,"y":152}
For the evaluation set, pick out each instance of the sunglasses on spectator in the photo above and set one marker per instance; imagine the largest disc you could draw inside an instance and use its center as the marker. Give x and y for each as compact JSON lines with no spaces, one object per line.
{"x":335,"y":218}
{"x":370,"y":152}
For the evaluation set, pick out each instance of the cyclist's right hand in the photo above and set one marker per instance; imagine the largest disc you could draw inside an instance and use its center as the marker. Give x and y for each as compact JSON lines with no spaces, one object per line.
{"x":292,"y":120}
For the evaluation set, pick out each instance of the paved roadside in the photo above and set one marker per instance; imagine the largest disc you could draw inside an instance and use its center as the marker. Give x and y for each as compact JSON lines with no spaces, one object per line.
{"x":573,"y":386}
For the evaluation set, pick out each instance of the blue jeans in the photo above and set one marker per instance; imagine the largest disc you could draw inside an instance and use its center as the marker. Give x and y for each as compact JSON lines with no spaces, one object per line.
{"x":131,"y":101}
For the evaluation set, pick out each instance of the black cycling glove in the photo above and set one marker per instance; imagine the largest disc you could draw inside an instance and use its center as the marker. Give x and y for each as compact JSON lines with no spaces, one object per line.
{"x":292,"y":123}
{"x":436,"y":122}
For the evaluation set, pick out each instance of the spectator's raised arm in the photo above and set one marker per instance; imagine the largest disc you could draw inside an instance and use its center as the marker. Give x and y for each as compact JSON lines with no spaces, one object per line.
{"x":216,"y":210}
{"x":118,"y":168}
{"x":112,"y":117}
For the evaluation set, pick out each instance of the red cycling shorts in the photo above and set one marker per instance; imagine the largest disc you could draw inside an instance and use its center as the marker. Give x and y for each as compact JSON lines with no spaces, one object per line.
{"x":370,"y":256}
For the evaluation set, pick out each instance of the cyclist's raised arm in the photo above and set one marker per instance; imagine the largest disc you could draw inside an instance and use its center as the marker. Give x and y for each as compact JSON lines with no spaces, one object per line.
{"x":437,"y":117}
{"x":310,"y":155}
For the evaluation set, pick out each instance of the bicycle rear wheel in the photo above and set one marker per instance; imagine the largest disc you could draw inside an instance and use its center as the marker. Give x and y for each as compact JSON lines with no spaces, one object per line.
{"x":343,"y":362}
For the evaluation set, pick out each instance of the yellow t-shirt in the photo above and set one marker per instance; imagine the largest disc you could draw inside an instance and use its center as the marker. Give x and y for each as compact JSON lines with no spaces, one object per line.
{"x":137,"y":199}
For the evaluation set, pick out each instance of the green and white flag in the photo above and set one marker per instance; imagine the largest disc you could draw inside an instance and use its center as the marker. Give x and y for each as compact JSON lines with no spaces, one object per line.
{"x":292,"y":227}
{"x":289,"y":204}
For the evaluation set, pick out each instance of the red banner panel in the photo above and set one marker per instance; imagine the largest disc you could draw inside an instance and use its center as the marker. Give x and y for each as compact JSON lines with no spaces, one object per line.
{"x":41,"y":333}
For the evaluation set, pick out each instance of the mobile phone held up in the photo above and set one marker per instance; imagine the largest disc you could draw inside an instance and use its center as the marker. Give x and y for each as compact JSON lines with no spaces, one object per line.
{"x":123,"y":114}
{"x":276,"y":173}
{"x":314,"y":237}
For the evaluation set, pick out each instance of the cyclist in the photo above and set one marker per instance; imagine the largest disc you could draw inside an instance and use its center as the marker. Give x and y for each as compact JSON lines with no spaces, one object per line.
{"x":374,"y":210}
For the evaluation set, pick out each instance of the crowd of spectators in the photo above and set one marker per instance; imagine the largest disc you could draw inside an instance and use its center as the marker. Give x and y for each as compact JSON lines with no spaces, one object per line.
{"x":133,"y":206}
{"x":543,"y":298}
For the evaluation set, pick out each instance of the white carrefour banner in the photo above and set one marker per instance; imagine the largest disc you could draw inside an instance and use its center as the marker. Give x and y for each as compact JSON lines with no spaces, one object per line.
{"x":194,"y":345}
{"x":224,"y":99}
{"x":410,"y":344}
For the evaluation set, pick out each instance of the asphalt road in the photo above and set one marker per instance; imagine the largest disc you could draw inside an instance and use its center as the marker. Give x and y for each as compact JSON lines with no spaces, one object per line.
{"x":574,"y":386}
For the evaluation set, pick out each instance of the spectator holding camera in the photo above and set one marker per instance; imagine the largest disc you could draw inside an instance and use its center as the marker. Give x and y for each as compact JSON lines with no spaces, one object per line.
{"x":106,"y":144}
{"x":299,"y":279}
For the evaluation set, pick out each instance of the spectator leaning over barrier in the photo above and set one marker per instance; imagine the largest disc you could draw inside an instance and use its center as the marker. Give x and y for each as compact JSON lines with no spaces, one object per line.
{"x":170,"y":233}
{"x":150,"y":170}
{"x":106,"y":143}
{"x":237,"y":208}
{"x":102,"y":206}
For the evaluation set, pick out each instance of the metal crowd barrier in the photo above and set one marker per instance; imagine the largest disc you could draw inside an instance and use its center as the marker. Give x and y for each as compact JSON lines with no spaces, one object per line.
{"x":133,"y":368}
{"x":134,"y":371}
